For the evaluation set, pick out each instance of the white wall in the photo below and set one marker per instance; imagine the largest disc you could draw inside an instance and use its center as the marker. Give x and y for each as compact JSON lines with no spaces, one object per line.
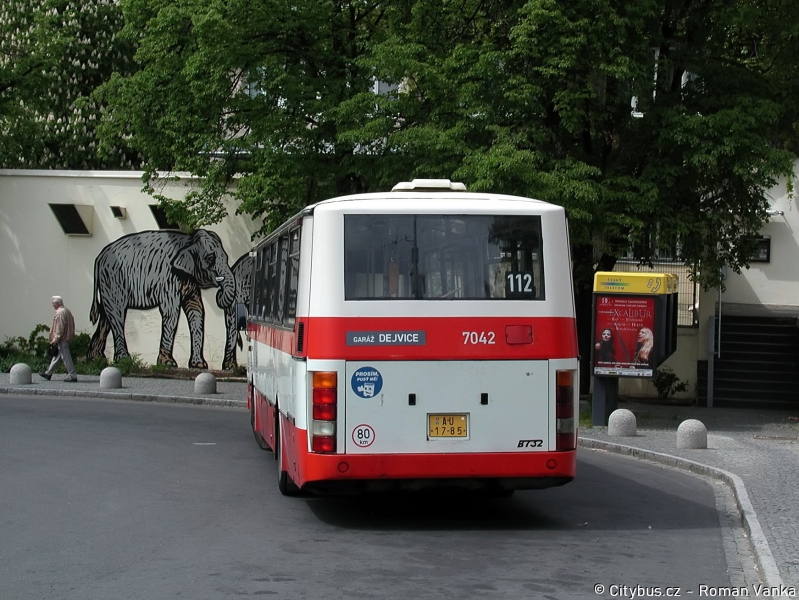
{"x":765,"y":289}
{"x":40,"y":261}
{"x":682,"y":362}
{"x":770,"y":289}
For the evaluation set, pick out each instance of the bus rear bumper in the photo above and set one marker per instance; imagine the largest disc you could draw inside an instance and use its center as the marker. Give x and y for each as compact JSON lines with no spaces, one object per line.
{"x":378,"y":472}
{"x":491,"y":486}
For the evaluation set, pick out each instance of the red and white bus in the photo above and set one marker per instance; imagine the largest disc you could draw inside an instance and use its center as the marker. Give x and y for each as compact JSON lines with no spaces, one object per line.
{"x":422,"y":337}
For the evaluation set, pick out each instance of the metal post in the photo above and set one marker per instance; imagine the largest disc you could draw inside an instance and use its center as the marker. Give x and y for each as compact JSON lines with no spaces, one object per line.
{"x":711,"y":355}
{"x":605,"y":399}
{"x":719,"y":329}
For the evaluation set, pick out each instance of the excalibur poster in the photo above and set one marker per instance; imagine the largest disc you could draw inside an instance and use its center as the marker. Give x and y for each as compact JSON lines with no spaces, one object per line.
{"x":624,"y":335}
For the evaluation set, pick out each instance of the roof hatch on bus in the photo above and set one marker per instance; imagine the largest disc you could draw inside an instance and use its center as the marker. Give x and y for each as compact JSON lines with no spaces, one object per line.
{"x":429,"y":185}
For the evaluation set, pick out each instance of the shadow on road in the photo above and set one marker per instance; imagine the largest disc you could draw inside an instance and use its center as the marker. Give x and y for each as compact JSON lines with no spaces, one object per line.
{"x":610,"y":493}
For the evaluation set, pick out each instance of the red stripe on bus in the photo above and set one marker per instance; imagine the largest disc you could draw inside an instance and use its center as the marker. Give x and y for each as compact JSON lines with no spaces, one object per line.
{"x":445,"y":338}
{"x":280,"y":339}
{"x":325,"y":467}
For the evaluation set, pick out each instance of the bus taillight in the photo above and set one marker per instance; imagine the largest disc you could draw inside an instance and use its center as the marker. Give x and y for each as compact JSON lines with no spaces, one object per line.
{"x":323,"y":426}
{"x":564,"y":407}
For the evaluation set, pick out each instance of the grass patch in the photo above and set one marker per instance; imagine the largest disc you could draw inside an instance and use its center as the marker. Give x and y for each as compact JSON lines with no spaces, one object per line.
{"x":586,"y":420}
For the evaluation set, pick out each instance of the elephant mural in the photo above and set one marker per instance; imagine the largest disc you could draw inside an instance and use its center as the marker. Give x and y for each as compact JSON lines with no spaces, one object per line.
{"x":164,"y":270}
{"x":242,"y":273}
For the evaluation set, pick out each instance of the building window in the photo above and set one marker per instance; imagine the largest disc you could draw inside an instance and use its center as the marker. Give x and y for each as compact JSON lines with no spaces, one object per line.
{"x":160,"y":217}
{"x":74,"y":220}
{"x":762,"y":251}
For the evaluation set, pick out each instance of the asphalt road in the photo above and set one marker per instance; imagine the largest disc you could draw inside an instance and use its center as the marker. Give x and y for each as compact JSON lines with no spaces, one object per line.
{"x":105,"y":499}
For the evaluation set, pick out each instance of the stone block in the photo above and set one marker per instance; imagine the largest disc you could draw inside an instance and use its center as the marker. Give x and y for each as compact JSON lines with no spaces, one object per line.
{"x":622,"y":423}
{"x":692,"y":434}
{"x":20,"y":374}
{"x":205,"y":383}
{"x":110,"y":378}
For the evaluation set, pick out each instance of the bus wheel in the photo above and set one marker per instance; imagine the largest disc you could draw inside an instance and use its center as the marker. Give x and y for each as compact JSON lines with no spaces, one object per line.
{"x":284,"y":483}
{"x":259,"y":439}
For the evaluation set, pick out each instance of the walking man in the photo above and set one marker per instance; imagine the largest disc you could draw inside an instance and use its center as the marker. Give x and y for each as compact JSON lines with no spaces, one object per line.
{"x":62,"y":331}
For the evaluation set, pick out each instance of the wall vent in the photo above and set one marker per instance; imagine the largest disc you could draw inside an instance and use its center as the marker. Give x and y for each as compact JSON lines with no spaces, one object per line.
{"x":75,"y":219}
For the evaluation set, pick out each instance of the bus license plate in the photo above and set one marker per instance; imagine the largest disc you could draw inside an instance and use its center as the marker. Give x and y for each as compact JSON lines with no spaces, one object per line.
{"x":447,"y":426}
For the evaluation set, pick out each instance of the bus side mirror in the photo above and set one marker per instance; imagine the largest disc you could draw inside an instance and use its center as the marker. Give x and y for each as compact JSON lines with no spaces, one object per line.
{"x":241,"y":316}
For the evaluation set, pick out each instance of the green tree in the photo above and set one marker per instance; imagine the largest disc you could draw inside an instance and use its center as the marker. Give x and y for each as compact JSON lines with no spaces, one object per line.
{"x":53,"y":54}
{"x":532,"y":97}
{"x":245,"y":92}
{"x":535,"y":99}
{"x":20,"y":76}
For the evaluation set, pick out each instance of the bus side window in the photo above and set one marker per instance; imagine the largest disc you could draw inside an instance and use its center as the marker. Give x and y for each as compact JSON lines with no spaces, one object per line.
{"x":280,"y":282}
{"x":256,"y":283}
{"x":273,"y":285}
{"x":293,"y":276}
{"x":263,"y":275}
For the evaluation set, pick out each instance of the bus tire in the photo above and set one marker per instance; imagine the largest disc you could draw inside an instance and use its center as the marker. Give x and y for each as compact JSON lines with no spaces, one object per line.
{"x":284,"y":482}
{"x":259,"y":439}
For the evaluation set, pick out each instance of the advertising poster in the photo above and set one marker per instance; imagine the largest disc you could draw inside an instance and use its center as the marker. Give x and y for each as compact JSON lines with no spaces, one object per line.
{"x":624,"y":343}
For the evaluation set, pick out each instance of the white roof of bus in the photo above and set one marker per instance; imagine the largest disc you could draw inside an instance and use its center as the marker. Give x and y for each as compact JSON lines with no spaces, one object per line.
{"x":446,"y":199}
{"x":429,"y":189}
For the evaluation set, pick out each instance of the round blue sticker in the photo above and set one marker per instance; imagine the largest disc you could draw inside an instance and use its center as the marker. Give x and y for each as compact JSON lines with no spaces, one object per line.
{"x":367,"y":382}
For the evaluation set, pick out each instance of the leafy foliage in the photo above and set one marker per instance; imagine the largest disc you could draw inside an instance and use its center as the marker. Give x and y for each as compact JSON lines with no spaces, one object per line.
{"x":534,"y":99}
{"x":35,"y":345}
{"x":234,"y":87}
{"x":32,"y":350}
{"x":655,"y":123}
{"x":524,"y":97}
{"x":79,"y":345}
{"x":667,"y":383}
{"x":53,"y":54}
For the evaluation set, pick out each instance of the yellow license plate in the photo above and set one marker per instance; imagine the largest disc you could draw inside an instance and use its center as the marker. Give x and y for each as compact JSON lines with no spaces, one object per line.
{"x":448,"y":426}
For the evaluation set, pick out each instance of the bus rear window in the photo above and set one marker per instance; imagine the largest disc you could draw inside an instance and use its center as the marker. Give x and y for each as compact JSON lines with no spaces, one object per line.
{"x":443,"y":257}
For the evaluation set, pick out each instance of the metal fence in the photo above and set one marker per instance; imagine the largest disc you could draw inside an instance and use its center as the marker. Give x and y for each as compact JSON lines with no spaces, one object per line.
{"x":687,"y":290}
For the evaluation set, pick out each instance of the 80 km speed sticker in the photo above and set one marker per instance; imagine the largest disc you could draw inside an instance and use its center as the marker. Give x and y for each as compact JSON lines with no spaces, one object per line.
{"x":363,"y":436}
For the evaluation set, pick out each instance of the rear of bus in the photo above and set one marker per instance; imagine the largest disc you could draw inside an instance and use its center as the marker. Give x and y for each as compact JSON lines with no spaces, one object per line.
{"x":440,"y":345}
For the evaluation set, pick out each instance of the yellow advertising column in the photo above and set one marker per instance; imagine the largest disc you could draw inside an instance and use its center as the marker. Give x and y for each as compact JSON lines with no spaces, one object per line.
{"x":632,"y":326}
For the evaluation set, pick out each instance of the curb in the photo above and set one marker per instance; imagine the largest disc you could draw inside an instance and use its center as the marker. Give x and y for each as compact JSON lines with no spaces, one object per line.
{"x":757,"y":539}
{"x":208,"y":401}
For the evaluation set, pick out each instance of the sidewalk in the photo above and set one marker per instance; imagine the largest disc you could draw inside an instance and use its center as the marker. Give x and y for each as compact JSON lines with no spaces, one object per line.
{"x":143,"y":389}
{"x":761,"y":447}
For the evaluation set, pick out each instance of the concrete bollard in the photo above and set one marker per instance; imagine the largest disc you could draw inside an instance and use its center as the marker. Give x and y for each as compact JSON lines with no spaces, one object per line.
{"x":692,"y":434}
{"x":110,"y":378}
{"x":20,"y":374}
{"x":621,"y":423}
{"x":205,"y":383}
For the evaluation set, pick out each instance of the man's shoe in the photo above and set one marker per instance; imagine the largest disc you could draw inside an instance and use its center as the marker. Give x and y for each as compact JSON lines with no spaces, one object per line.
{"x":44,"y":375}
{"x":70,"y":379}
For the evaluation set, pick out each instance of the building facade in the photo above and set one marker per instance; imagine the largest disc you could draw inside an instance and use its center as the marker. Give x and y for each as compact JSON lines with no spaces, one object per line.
{"x":137,"y":284}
